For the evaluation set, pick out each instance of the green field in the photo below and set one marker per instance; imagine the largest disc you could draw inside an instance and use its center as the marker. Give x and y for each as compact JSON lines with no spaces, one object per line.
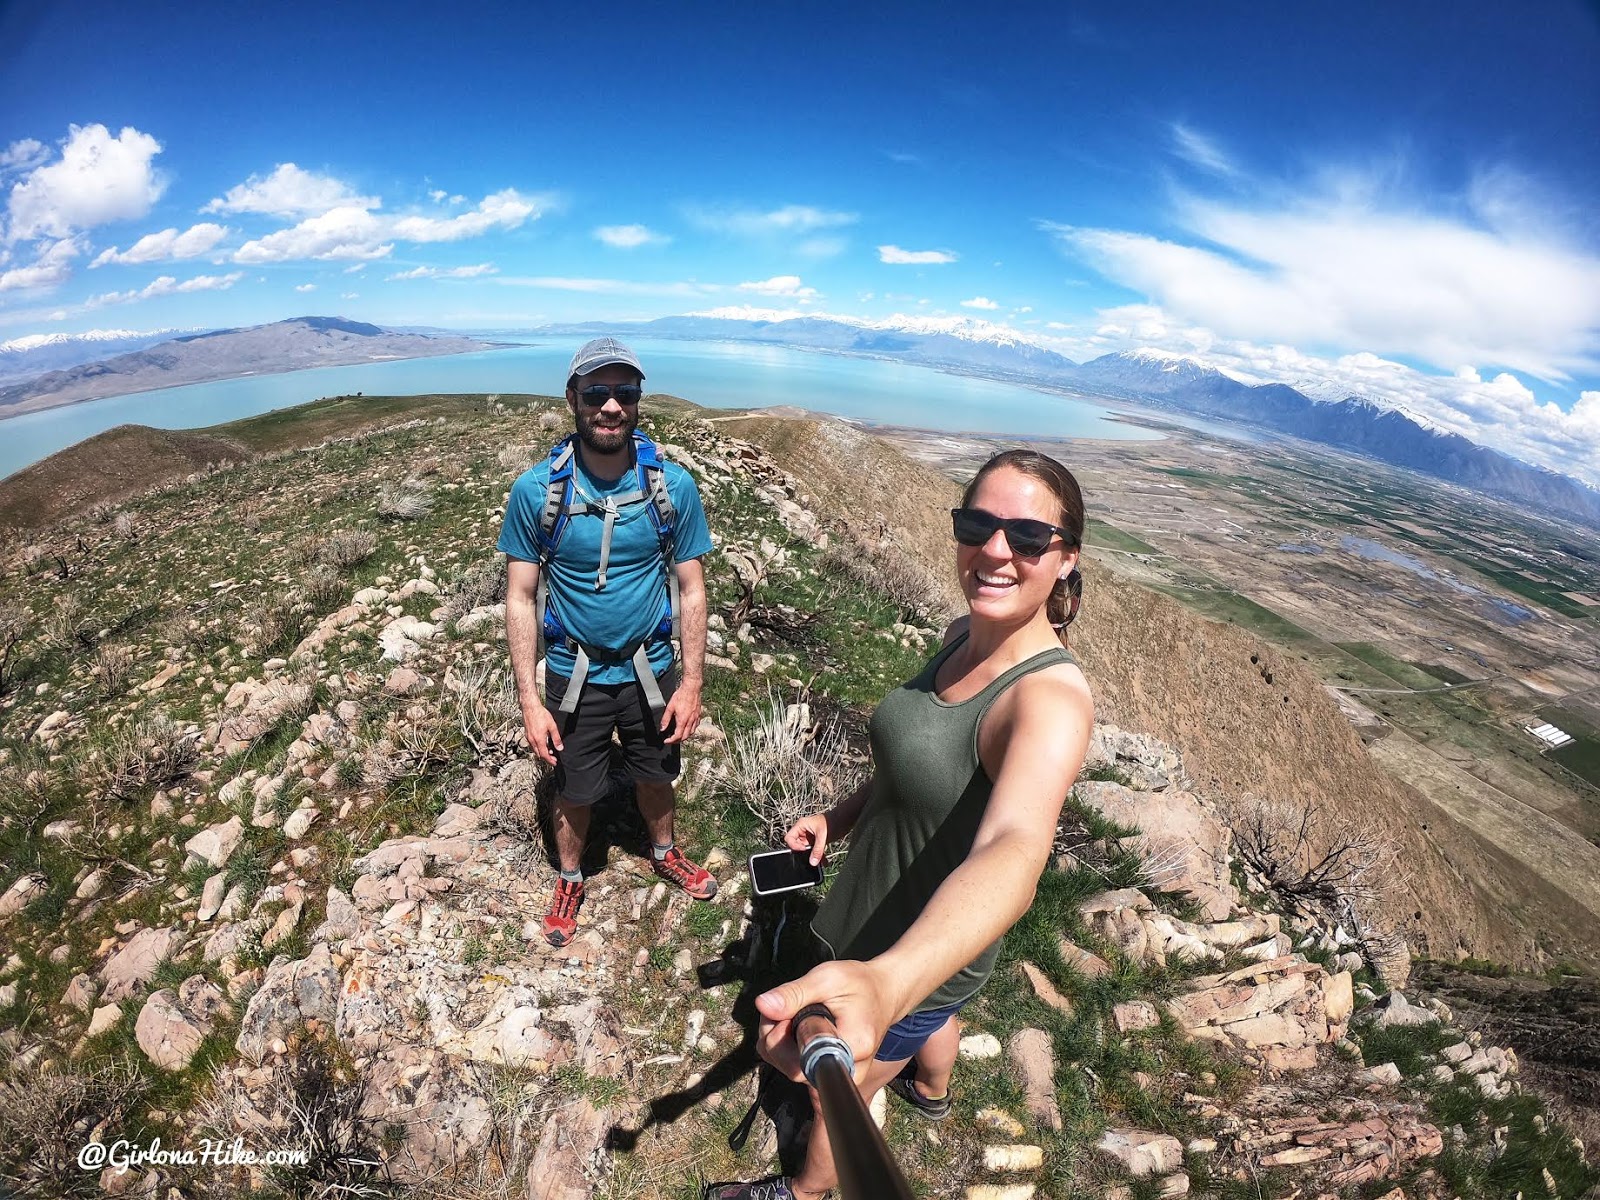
{"x":1223,"y":605}
{"x":1402,"y":672}
{"x":1098,"y":533}
{"x":1582,"y":756}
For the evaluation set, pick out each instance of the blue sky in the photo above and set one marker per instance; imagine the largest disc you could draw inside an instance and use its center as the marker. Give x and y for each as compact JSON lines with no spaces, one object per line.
{"x":1389,"y":199}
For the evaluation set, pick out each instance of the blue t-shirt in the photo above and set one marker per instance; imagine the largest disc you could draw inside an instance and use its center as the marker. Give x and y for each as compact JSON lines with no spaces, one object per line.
{"x":630,"y":608}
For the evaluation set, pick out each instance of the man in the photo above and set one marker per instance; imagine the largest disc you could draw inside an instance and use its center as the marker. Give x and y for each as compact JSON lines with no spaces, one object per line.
{"x":605,"y":539}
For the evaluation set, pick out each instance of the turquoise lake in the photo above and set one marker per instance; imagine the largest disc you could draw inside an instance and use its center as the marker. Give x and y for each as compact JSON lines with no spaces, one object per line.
{"x":714,"y":374}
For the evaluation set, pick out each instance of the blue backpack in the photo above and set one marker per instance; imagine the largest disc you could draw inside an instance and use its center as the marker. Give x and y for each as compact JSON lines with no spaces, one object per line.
{"x":559,"y":509}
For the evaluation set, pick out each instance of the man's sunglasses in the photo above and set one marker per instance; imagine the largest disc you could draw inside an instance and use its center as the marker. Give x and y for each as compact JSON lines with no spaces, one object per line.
{"x":596,"y":394}
{"x":1025,"y":536}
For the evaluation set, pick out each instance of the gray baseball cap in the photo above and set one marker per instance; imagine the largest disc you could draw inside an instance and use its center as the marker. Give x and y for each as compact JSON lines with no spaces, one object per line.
{"x":603,"y":352}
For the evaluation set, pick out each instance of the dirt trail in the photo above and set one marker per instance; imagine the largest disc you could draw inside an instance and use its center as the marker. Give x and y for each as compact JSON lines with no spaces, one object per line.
{"x":1545,"y":846}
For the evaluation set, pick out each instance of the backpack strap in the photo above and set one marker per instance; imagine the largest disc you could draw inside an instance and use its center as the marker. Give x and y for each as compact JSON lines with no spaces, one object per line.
{"x":653,"y":483}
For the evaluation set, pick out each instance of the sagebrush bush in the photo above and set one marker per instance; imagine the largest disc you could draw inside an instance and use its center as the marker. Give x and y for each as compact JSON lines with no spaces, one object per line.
{"x":113,"y":665}
{"x":46,"y":1115}
{"x":785,"y":768}
{"x":346,"y":548}
{"x":407,"y":500}
{"x":323,"y":588}
{"x":142,"y":755}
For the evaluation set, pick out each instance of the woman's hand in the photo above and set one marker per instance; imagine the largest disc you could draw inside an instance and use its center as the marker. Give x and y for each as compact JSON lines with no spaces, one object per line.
{"x":856,"y":993}
{"x":809,"y":833}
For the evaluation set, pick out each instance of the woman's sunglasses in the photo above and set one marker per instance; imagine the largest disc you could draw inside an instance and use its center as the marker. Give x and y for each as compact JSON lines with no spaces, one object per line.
{"x":1025,"y":536}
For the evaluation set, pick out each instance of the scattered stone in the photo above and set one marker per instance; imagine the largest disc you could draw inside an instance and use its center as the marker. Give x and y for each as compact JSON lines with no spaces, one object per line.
{"x":211,"y":896}
{"x":131,"y":967}
{"x":21,"y":893}
{"x":1083,"y":961}
{"x":979,"y":1045}
{"x":571,"y":1135}
{"x":1384,"y":1074}
{"x":168,"y":1035}
{"x":1000,"y":1121}
{"x":292,"y":992}
{"x":1035,"y":1058}
{"x":217,"y":844}
{"x":1141,"y":1152}
{"x":1045,"y":990}
{"x":1012,"y":1158}
{"x":1001,"y":1191}
{"x":104,"y":1018}
{"x":1133,"y":1015}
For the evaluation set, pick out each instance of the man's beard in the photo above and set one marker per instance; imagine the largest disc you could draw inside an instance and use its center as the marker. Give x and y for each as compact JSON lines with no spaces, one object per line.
{"x":606,"y":441}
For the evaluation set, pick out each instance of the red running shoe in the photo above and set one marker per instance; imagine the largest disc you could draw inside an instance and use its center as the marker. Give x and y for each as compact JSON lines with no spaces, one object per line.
{"x":679,"y":871}
{"x":561,"y":922}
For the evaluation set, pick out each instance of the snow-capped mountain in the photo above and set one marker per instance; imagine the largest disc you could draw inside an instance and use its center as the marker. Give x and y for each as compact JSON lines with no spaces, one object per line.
{"x":36,"y":353}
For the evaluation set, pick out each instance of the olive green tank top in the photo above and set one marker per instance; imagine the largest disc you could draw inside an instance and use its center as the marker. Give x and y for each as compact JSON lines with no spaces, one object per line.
{"x":929,"y":794}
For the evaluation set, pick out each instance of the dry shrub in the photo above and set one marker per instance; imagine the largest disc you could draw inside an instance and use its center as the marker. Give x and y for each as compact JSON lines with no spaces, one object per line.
{"x":64,"y":626}
{"x":25,"y":791}
{"x":407,"y":500}
{"x":102,"y":513}
{"x":46,"y":1116}
{"x":113,"y":665}
{"x":323,"y":588}
{"x":346,"y":548}
{"x":142,"y":755}
{"x":517,"y":459}
{"x":16,"y":621}
{"x":310,"y":1100}
{"x":787,"y":768}
{"x":488,"y":713}
{"x":477,"y":586}
{"x":274,"y":624}
{"x":916,"y":592}
{"x":414,"y":743}
{"x":552,"y":421}
{"x":125,"y":527}
{"x":1305,"y":853}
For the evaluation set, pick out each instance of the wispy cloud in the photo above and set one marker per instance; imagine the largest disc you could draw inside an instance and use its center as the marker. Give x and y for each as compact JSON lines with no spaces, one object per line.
{"x":167,"y":246}
{"x":1352,"y":272}
{"x":822,"y":247}
{"x":614,"y":287}
{"x":98,"y":178}
{"x":790,"y":219}
{"x":289,"y":191}
{"x":305,"y":287}
{"x":51,"y":267}
{"x":629,"y":237}
{"x":903,"y":157}
{"x":982,"y":302}
{"x":167,"y":285}
{"x":353,"y":232}
{"x":472,"y":272}
{"x":23,"y":155}
{"x":911,"y":258}
{"x":781,"y":285}
{"x":1201,"y":151}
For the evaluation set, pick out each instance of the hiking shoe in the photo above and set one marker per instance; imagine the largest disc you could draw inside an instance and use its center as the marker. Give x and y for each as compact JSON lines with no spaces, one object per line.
{"x":561,"y":922}
{"x":772,"y":1187}
{"x":677,"y":870}
{"x":906,"y":1088}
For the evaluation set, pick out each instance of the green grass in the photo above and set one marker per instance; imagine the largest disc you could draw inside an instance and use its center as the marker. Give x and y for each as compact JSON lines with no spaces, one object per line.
{"x":1223,"y":605}
{"x":1582,"y":756}
{"x":1403,"y":673}
{"x":1098,"y":533}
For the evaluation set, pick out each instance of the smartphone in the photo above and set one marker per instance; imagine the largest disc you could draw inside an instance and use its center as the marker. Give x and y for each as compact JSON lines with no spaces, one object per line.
{"x":773,"y":872}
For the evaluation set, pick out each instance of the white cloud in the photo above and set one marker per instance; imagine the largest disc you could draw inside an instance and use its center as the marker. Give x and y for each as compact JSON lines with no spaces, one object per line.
{"x":23,"y":155}
{"x":1351,"y":274}
{"x":438,"y":195}
{"x":446,"y":272}
{"x":780,"y":285}
{"x":352,"y":232}
{"x":166,"y":285}
{"x":97,"y":179}
{"x":629,"y":237}
{"x":289,"y":192}
{"x":982,"y":302}
{"x":166,"y":246}
{"x":1197,"y":149}
{"x":349,"y":295}
{"x":52,"y":266}
{"x":822,"y":247}
{"x":305,"y":287}
{"x":899,"y":257}
{"x":790,"y":219}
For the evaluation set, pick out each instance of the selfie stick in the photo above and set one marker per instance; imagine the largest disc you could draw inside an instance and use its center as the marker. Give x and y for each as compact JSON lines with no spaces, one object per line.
{"x":867,"y":1171}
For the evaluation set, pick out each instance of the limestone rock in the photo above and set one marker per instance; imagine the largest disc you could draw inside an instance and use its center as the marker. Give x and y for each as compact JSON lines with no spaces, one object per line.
{"x":1141,"y":1152}
{"x":1045,"y":990}
{"x":168,"y":1035}
{"x":567,"y":1143}
{"x":211,"y":896}
{"x":21,"y":893}
{"x":1185,"y":846}
{"x":131,"y":967}
{"x":979,"y":1046}
{"x":291,"y":993}
{"x":1035,"y":1058}
{"x":265,"y":707}
{"x":217,"y":844}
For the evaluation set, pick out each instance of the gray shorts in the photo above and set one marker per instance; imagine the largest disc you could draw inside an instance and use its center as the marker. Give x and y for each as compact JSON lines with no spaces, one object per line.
{"x":583,"y":764}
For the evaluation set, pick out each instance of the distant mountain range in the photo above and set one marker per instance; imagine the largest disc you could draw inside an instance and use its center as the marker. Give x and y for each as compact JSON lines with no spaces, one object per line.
{"x":223,"y":354}
{"x":28,"y":357}
{"x":1160,"y":380}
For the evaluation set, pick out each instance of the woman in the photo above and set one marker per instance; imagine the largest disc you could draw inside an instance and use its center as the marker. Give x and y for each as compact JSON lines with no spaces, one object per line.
{"x":972,"y":761}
